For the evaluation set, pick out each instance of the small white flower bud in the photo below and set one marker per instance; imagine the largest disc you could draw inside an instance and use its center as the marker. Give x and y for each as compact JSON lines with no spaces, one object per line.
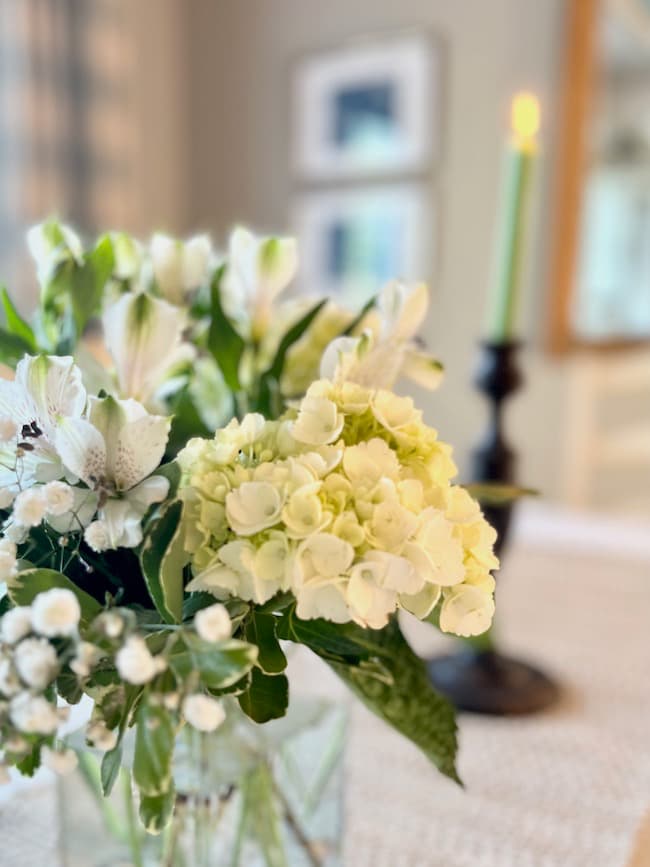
{"x":62,"y":762}
{"x":59,"y":498}
{"x":203,"y":712}
{"x":135,"y":663}
{"x":36,"y":662}
{"x":96,"y":536}
{"x":9,"y":682}
{"x":56,"y":612}
{"x":86,"y":657}
{"x":16,"y":624}
{"x":7,"y":496}
{"x":100,"y":736}
{"x":213,"y":623}
{"x":30,"y":507}
{"x":33,"y":714}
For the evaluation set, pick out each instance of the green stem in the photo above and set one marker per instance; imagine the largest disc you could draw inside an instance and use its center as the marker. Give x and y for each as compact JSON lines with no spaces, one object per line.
{"x":133,"y":827}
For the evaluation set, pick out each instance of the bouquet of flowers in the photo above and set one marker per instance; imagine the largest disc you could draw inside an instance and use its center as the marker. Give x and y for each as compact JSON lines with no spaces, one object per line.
{"x":157,"y":566}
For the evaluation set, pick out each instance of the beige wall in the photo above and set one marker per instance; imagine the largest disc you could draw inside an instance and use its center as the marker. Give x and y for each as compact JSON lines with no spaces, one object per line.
{"x":241,"y":57}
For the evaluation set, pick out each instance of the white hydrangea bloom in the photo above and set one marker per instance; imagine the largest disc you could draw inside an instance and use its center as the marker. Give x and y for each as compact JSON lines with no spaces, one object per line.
{"x":466,"y":610}
{"x":59,"y":498}
{"x":135,"y":662}
{"x":253,"y":507}
{"x":213,"y":623}
{"x":203,"y":712}
{"x":56,"y":612}
{"x":62,"y":762}
{"x":319,"y":421}
{"x":7,"y":496}
{"x":33,"y":714}
{"x":16,"y":624}
{"x":30,"y":507}
{"x":36,"y":662}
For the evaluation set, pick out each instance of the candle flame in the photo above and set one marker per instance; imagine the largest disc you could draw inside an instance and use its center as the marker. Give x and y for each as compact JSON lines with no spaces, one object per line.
{"x":525,"y":115}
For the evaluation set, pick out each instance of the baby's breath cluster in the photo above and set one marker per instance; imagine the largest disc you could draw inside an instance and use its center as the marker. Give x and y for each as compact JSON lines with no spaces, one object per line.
{"x":347,"y":502}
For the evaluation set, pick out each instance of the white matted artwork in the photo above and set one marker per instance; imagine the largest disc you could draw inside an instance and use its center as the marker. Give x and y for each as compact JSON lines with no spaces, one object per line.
{"x":352,"y":241}
{"x":367,"y":109}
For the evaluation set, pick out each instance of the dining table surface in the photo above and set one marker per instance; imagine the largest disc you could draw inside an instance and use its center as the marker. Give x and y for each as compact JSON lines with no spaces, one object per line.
{"x":568,"y":787}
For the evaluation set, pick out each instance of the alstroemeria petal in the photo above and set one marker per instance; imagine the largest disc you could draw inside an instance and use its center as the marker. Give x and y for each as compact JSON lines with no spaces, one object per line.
{"x":403,"y":309}
{"x":422,"y":369}
{"x":141,"y":334}
{"x":82,"y":449}
{"x":54,"y":386}
{"x":140,"y":447}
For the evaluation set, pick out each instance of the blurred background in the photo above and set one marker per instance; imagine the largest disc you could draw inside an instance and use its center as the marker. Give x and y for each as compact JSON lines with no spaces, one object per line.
{"x":376,"y":132}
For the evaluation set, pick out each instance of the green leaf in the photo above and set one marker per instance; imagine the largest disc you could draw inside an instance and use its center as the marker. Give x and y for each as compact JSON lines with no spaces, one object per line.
{"x":217,"y":665}
{"x":155,"y":812}
{"x":67,"y":686}
{"x":154,"y":746}
{"x":293,"y":334}
{"x":12,"y":348}
{"x":172,"y":472}
{"x":16,"y":325}
{"x":162,"y":558}
{"x":225,"y":344}
{"x":409,"y":704}
{"x":31,"y":763}
{"x":24,"y":586}
{"x":344,"y":641}
{"x":260,"y":630}
{"x":497,"y":493}
{"x":111,"y":764}
{"x":186,"y":422}
{"x":266,"y":698}
{"x":358,"y":319}
{"x":88,"y":281}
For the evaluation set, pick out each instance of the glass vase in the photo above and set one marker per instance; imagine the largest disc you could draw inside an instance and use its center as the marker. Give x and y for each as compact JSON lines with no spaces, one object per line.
{"x":248,"y":795}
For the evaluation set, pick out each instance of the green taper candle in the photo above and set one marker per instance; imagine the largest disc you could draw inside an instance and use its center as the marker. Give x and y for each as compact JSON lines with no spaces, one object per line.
{"x":520,"y":159}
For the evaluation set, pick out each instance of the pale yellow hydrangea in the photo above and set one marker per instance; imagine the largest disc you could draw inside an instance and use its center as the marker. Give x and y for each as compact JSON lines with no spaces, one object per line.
{"x":348,"y":503}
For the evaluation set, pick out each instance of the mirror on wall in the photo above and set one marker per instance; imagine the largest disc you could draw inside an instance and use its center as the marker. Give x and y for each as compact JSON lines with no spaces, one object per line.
{"x":602,"y":268}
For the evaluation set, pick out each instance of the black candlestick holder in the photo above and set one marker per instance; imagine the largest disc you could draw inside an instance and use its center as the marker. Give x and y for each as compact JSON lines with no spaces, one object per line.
{"x":479,"y":678}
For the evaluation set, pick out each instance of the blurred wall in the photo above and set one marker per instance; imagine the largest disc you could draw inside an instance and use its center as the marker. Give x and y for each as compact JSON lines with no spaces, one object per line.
{"x":240,"y":57}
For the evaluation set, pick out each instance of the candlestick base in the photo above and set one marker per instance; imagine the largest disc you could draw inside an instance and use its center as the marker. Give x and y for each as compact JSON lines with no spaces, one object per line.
{"x":488,"y":682}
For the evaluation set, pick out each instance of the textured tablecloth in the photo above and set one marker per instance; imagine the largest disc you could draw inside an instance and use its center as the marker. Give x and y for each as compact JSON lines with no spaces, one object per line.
{"x":569,"y":788}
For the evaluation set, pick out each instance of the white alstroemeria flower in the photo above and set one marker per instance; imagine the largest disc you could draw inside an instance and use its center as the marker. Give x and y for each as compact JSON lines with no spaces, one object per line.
{"x":180,"y":267}
{"x":259,"y":269}
{"x":51,"y":244}
{"x":128,"y":256}
{"x":144,"y":337}
{"x":44,"y":389}
{"x":114,"y":453}
{"x":387,"y":349}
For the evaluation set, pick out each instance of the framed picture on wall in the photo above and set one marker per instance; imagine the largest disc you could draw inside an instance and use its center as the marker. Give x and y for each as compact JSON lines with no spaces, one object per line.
{"x":354,"y":240}
{"x":371,"y":108}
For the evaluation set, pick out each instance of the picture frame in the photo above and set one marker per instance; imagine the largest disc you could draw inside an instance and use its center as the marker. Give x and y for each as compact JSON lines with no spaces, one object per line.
{"x":369,"y":109}
{"x":355,"y":239}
